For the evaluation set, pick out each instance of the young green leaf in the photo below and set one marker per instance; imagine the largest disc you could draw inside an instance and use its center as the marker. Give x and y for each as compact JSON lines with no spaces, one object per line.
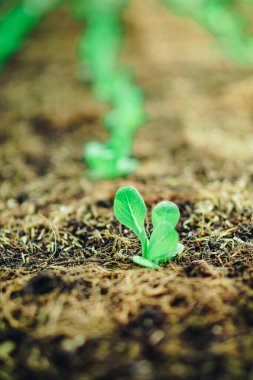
{"x":130,"y":210}
{"x":144,"y":262}
{"x":165,"y":211}
{"x":163,"y":243}
{"x":171,"y":254}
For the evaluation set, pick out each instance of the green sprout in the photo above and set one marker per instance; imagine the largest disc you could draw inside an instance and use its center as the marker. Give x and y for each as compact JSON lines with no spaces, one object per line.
{"x":130,"y":210}
{"x":99,"y":51}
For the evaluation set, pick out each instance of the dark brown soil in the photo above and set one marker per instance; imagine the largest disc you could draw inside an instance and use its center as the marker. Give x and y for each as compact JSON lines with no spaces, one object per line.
{"x":72,"y":304}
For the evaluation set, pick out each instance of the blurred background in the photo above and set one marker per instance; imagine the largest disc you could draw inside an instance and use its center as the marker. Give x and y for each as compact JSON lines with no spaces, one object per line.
{"x":192,"y":61}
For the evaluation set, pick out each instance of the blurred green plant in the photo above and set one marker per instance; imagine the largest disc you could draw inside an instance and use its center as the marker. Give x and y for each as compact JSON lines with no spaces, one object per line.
{"x":227,"y":20}
{"x":18,"y":22}
{"x":130,"y":210}
{"x":99,"y":50}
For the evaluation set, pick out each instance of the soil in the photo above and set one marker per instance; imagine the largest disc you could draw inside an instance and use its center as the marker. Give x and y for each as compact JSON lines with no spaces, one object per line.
{"x":72,"y":304}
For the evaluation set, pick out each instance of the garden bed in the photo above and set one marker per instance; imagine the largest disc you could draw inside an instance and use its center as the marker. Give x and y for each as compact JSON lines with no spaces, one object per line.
{"x":73,"y":305}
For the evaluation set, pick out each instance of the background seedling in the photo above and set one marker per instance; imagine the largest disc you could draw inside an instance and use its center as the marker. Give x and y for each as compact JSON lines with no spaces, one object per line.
{"x":99,"y":50}
{"x":130,"y":210}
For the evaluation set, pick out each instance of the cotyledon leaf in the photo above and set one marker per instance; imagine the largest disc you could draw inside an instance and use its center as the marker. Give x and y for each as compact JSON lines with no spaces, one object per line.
{"x":165,"y":211}
{"x":163,"y":242}
{"x":170,"y":255}
{"x":144,"y":262}
{"x":130,"y":210}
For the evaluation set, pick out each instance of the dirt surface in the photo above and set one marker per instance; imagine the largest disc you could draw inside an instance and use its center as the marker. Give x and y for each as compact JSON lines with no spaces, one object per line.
{"x":72,"y":304}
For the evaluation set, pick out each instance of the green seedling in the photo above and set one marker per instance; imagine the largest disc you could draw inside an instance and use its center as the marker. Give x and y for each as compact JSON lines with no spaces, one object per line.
{"x":130,"y":210}
{"x":99,"y":48}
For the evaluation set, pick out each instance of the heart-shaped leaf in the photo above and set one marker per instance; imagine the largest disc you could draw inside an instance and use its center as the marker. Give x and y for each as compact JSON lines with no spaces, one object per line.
{"x":165,"y":211}
{"x":163,"y":243}
{"x":130,"y":210}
